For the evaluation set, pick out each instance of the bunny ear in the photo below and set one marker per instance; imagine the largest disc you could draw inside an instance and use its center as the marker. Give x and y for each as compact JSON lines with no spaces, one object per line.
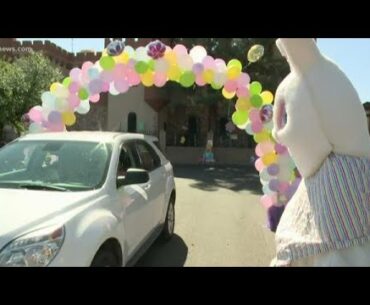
{"x":301,"y":53}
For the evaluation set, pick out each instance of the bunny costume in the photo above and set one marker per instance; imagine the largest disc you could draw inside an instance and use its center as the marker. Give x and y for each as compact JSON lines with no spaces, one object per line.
{"x":319,"y":117}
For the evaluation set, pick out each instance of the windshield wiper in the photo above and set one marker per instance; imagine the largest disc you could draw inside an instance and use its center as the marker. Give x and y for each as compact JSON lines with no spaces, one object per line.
{"x":41,"y":186}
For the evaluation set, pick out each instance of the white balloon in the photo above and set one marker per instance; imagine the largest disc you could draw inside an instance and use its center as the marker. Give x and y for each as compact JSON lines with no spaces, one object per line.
{"x":61,"y":92}
{"x":161,"y":65}
{"x":113,"y":90}
{"x":35,"y":128}
{"x":84,"y":107}
{"x":198,"y":53}
{"x":220,"y":78}
{"x":129,"y":50}
{"x":142,"y":54}
{"x":61,"y":104}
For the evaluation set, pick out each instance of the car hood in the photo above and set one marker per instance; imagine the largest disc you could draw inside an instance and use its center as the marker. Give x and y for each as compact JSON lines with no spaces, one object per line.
{"x":24,"y":210}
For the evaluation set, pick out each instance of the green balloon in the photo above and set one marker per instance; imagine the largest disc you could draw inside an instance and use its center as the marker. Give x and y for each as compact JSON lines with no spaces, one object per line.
{"x":255,"y":88}
{"x":187,"y":79}
{"x":107,"y":62}
{"x":256,"y":101}
{"x":141,"y":67}
{"x":216,"y":86}
{"x":83,"y":94}
{"x":151,"y":65}
{"x":240,"y":117}
{"x":66,"y":81}
{"x":235,"y":63}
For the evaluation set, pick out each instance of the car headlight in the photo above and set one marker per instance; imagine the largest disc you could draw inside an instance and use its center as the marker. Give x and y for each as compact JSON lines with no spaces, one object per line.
{"x":36,"y":249}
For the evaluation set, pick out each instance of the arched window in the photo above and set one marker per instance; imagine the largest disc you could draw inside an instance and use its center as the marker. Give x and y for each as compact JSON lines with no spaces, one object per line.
{"x":131,"y":122}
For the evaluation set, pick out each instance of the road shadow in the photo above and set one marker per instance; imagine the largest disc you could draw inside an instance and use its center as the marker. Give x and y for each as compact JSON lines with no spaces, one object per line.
{"x":172,"y":253}
{"x":212,"y":178}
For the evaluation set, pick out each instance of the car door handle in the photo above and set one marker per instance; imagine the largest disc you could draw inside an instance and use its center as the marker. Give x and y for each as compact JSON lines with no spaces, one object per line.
{"x":147,"y":186}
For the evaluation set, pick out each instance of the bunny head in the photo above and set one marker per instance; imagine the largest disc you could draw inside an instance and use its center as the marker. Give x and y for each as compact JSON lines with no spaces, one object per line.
{"x":317,"y":111}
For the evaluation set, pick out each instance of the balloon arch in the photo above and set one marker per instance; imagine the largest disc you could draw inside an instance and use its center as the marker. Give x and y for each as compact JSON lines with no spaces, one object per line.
{"x":121,"y":67}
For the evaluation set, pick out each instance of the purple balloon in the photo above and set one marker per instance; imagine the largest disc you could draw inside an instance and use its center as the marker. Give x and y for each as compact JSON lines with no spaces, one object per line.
{"x":198,"y":68}
{"x":274,"y":185}
{"x":55,"y":117}
{"x":96,"y":86}
{"x":273,"y":169}
{"x":280,"y":149}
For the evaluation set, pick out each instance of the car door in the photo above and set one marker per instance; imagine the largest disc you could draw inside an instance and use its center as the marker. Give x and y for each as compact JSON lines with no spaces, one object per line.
{"x":134,"y":202}
{"x":150,"y":161}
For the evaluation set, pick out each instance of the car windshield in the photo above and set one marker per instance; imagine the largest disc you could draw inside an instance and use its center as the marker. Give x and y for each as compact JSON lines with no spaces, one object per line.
{"x":54,"y":165}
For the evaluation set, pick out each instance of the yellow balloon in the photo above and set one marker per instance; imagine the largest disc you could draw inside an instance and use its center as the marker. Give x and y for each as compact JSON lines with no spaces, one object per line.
{"x":228,"y":95}
{"x":104,"y":53}
{"x":68,"y":118}
{"x":262,"y":136}
{"x":174,"y":73}
{"x":208,"y":76}
{"x":269,"y":159}
{"x":123,"y":58}
{"x":267,"y":97}
{"x":147,"y":79}
{"x":54,"y":87}
{"x":233,"y":72}
{"x":243,"y":104}
{"x":170,"y":56}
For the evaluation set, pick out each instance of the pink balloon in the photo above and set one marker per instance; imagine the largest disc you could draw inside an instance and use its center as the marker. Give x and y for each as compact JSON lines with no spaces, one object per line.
{"x":243,"y":80}
{"x":160,"y":79}
{"x":121,"y":85}
{"x":209,"y":63}
{"x":119,"y":71}
{"x":75,"y":74}
{"x":133,"y":78}
{"x":257,"y":126}
{"x":242,"y":92}
{"x":258,"y":150}
{"x":254,"y":115}
{"x":220,"y":65}
{"x":267,"y":201}
{"x":199,"y":80}
{"x":74,"y":87}
{"x":180,"y":50}
{"x":105,"y":87}
{"x":106,"y":76}
{"x":259,"y":164}
{"x":230,"y":86}
{"x":95,"y":98}
{"x":267,"y":147}
{"x":86,"y":66}
{"x":73,"y":101}
{"x":283,"y":186}
{"x":56,"y":127}
{"x":35,"y":114}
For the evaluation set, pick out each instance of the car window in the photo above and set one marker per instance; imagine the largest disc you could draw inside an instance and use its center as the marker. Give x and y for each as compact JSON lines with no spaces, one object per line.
{"x":126,"y":161}
{"x":149,"y":160}
{"x":72,"y":165}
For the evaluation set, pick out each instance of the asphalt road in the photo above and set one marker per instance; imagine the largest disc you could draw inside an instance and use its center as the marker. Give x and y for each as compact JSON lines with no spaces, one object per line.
{"x":219,"y":221}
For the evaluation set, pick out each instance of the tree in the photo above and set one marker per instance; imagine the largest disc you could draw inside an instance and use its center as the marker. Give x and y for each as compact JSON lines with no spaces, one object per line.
{"x":21,"y":85}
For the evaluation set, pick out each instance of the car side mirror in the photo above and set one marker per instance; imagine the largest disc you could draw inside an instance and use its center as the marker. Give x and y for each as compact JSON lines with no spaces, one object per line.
{"x":133,"y":176}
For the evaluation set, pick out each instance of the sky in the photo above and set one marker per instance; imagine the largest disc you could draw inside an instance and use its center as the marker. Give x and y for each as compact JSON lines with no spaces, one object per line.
{"x":351,"y":54}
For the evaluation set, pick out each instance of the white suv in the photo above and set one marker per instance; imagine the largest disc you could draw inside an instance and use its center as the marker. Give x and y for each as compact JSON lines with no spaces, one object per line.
{"x":83,"y":199}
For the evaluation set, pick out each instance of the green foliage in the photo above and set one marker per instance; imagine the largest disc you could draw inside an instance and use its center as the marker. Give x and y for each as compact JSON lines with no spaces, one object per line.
{"x":21,"y":85}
